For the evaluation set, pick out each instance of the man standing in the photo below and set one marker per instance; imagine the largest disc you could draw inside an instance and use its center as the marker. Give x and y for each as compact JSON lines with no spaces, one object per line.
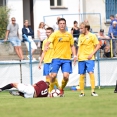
{"x":112,"y":33}
{"x":63,"y":44}
{"x":88,"y":45}
{"x":13,"y":35}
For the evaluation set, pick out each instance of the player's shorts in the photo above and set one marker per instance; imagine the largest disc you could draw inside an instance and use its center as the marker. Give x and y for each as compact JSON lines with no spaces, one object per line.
{"x":28,"y":90}
{"x":33,"y":44}
{"x":15,"y":41}
{"x":66,"y":65}
{"x":84,"y":66}
{"x":46,"y":69}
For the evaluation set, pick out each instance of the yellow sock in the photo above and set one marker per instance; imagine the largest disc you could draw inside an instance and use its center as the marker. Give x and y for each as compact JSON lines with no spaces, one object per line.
{"x":64,"y":83}
{"x":81,"y":83}
{"x":92,"y":81}
{"x":56,"y":83}
{"x":51,"y":87}
{"x":47,"y":79}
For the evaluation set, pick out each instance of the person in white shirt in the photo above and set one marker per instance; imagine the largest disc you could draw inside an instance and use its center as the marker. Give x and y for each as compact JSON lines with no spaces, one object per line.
{"x":30,"y":34}
{"x":41,"y":35}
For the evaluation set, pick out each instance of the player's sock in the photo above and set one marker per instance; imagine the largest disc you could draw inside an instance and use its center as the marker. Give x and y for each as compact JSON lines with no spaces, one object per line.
{"x":81,"y":83}
{"x":64,"y":83}
{"x":56,"y":83}
{"x":9,"y":86}
{"x":51,"y":86}
{"x":47,"y":79}
{"x":92,"y":81}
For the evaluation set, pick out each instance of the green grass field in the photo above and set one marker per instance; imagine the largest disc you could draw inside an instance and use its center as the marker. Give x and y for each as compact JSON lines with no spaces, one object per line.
{"x":105,"y":105}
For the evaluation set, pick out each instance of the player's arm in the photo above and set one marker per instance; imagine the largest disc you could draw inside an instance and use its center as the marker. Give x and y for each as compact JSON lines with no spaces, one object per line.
{"x":73,"y":48}
{"x":42,"y":57}
{"x":97,"y":47}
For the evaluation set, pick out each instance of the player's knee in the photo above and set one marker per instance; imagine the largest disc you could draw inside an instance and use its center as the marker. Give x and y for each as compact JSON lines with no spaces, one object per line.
{"x":15,"y":85}
{"x":66,"y":77}
{"x":53,"y":76}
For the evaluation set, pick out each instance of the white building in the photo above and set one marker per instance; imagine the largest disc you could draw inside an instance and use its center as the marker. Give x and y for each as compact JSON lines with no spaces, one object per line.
{"x":35,"y":10}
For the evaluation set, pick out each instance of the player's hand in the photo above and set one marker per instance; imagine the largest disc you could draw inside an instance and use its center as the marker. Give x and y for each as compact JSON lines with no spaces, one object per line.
{"x":90,"y":56}
{"x":39,"y":66}
{"x":75,"y":59}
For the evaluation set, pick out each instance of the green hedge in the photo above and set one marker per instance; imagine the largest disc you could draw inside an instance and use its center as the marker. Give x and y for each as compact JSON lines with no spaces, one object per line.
{"x":4,"y":19}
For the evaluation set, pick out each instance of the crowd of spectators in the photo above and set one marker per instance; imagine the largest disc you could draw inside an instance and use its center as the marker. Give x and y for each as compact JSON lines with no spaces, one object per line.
{"x":13,"y":35}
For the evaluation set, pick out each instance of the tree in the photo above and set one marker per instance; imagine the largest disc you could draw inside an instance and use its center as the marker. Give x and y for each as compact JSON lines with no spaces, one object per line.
{"x":4,"y":20}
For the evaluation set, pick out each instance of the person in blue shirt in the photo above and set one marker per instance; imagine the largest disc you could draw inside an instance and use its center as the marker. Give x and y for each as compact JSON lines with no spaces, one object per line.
{"x":112,"y":33}
{"x":112,"y":18}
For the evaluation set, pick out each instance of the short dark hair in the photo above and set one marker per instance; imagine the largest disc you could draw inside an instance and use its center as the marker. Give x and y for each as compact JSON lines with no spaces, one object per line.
{"x":75,"y":22}
{"x":50,"y":28}
{"x":112,"y":16}
{"x":101,"y":30}
{"x":61,"y":19}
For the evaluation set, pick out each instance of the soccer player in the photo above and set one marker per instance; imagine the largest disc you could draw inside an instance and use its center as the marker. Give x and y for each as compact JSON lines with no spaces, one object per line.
{"x":39,"y":89}
{"x":63,"y":44}
{"x":47,"y":57}
{"x":88,"y":45}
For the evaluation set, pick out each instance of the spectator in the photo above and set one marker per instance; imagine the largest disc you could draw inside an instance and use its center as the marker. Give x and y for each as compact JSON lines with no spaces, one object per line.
{"x":13,"y":35}
{"x":30,"y":34}
{"x":112,"y":18}
{"x":41,"y":35}
{"x":75,"y":32}
{"x":104,"y":43}
{"x":55,"y":26}
{"x":112,"y":33}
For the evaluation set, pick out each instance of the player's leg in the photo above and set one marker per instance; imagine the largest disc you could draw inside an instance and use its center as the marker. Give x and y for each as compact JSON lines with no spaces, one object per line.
{"x":66,"y":68}
{"x":90,"y":69}
{"x":54,"y":67}
{"x":56,"y":83}
{"x":82,"y":71}
{"x":52,"y":81}
{"x":8,"y":86}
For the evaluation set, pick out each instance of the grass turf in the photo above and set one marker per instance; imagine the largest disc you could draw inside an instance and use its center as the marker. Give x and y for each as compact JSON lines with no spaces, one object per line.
{"x":105,"y":105}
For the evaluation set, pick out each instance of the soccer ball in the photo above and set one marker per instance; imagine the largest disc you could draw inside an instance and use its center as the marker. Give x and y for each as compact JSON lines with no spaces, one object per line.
{"x":55,"y":93}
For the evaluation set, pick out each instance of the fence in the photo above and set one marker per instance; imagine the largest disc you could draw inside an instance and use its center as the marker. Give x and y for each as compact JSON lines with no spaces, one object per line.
{"x":96,"y":26}
{"x":28,"y":72}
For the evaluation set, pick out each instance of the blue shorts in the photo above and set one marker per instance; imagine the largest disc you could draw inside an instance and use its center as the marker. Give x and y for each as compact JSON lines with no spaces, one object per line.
{"x":66,"y":65}
{"x":15,"y":41}
{"x":84,"y":66}
{"x":46,"y":69}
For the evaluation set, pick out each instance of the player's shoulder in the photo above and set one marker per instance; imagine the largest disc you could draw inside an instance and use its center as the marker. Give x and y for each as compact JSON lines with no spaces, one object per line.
{"x":68,"y":33}
{"x":45,"y":40}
